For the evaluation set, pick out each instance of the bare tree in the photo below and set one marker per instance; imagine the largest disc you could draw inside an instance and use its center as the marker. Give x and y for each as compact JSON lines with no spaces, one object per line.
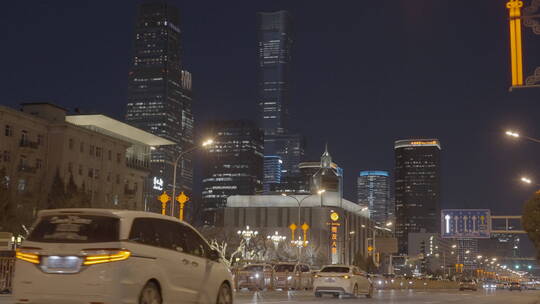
{"x":222,"y":248}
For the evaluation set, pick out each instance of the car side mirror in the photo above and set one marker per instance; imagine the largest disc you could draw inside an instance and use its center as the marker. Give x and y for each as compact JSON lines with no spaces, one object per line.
{"x":214,"y":255}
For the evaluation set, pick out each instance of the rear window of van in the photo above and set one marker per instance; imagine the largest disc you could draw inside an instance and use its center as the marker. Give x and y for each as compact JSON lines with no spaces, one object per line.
{"x":76,"y":228}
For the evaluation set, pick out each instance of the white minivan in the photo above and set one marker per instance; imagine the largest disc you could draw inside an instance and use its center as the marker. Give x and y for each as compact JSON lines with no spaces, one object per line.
{"x":98,"y":256}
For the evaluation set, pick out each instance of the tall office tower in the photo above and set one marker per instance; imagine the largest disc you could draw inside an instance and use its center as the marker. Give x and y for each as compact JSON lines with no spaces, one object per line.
{"x":374,"y":193}
{"x":159,"y":93}
{"x":417,"y":187}
{"x":272,"y":172}
{"x":275,"y":44}
{"x":234,"y":164}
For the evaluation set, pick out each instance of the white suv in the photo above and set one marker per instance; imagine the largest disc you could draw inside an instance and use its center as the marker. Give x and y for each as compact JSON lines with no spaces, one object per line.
{"x":102,"y":256}
{"x":340,"y":280}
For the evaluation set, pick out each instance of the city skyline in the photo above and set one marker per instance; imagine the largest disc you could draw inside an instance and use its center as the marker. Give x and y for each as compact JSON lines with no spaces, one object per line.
{"x":469,"y":116}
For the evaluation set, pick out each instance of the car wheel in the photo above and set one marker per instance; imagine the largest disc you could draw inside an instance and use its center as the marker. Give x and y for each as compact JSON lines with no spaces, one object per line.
{"x":224,"y":294}
{"x":150,"y":294}
{"x":318,"y":295}
{"x":355,"y":291}
{"x":370,"y":292}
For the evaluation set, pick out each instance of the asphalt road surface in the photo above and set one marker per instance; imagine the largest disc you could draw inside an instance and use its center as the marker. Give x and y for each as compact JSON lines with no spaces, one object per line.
{"x":399,"y":297}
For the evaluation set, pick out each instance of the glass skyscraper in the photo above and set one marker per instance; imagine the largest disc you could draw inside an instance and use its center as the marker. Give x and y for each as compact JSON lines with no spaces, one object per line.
{"x":374,"y":193}
{"x":417,"y":187}
{"x":233,"y":165}
{"x":159,"y":93}
{"x":275,"y":46}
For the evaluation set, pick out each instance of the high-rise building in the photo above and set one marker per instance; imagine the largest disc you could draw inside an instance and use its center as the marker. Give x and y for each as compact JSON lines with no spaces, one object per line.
{"x":272,"y":172}
{"x":233,"y":164}
{"x":159,"y":92}
{"x":275,"y":44}
{"x":417,"y":189}
{"x":374,"y":193}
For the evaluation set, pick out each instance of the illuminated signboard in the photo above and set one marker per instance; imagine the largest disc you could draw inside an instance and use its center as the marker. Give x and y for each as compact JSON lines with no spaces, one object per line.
{"x":420,"y":143}
{"x":334,"y":230}
{"x":157,"y":183}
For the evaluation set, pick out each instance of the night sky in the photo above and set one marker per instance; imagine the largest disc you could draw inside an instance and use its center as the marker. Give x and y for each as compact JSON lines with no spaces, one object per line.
{"x":365,"y":73}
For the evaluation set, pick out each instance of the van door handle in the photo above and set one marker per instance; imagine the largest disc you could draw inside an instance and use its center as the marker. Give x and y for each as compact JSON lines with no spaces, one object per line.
{"x":195,"y":264}
{"x":185,"y":261}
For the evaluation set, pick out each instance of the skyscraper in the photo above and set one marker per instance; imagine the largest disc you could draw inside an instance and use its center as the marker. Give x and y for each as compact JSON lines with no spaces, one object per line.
{"x":272,"y":172}
{"x":234,"y":163}
{"x":159,"y":92}
{"x":374,"y":193}
{"x":416,"y":187}
{"x":275,"y":46}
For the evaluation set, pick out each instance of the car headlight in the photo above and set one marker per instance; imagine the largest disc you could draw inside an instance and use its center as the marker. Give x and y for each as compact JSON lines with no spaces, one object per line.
{"x":256,"y":275}
{"x":379,"y":282}
{"x":346,"y":277}
{"x":289,"y":278}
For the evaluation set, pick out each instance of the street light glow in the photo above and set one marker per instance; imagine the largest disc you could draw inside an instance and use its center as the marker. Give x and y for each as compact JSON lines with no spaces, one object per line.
{"x":207,"y":142}
{"x":388,"y":224}
{"x":321,"y":191}
{"x":526,"y":180}
{"x":512,"y":133}
{"x":479,"y":257}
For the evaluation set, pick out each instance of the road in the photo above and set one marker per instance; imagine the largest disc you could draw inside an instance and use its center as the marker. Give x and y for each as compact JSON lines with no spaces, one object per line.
{"x":400,"y":297}
{"x":390,"y":297}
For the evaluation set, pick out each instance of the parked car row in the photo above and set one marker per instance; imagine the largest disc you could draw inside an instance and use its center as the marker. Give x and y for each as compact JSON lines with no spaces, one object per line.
{"x":278,"y":276}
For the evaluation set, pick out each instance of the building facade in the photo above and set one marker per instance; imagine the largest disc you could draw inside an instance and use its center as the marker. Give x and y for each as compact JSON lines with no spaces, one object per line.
{"x":234,"y":163}
{"x":373,"y":190}
{"x":159,"y":93}
{"x":106,"y":160}
{"x":338,"y":229}
{"x":435,"y":254}
{"x":272,"y":172}
{"x":417,"y":187}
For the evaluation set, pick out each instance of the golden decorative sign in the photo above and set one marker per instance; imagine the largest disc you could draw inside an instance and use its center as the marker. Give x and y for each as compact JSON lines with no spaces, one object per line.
{"x":334,"y":216}
{"x":516,"y":55}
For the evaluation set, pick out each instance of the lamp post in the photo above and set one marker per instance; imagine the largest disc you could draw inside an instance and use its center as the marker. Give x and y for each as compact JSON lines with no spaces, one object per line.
{"x":276,"y":239}
{"x":299,"y":202}
{"x":180,"y":157}
{"x":515,"y":134}
{"x":247,"y":235}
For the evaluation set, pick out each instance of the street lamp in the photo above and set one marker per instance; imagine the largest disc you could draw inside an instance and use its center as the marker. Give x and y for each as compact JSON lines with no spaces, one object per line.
{"x":276,"y":239}
{"x":319,"y":192}
{"x":515,"y":134}
{"x":526,"y":180}
{"x":180,"y":157}
{"x":247,"y":235}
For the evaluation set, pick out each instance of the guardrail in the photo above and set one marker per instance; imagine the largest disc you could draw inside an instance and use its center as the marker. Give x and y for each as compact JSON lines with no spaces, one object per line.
{"x":7,"y":266}
{"x":270,"y":280}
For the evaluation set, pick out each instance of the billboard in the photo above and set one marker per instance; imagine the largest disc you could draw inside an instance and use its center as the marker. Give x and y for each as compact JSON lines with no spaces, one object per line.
{"x":465,"y":223}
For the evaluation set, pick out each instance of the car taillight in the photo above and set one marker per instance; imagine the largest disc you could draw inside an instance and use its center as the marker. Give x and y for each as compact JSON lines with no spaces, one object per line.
{"x":92,"y":256}
{"x":27,"y":256}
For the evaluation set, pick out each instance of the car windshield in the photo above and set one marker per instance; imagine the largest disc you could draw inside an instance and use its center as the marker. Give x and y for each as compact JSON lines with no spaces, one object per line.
{"x":254,"y":268}
{"x":284,"y":268}
{"x":335,"y":269}
{"x":75,"y":228}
